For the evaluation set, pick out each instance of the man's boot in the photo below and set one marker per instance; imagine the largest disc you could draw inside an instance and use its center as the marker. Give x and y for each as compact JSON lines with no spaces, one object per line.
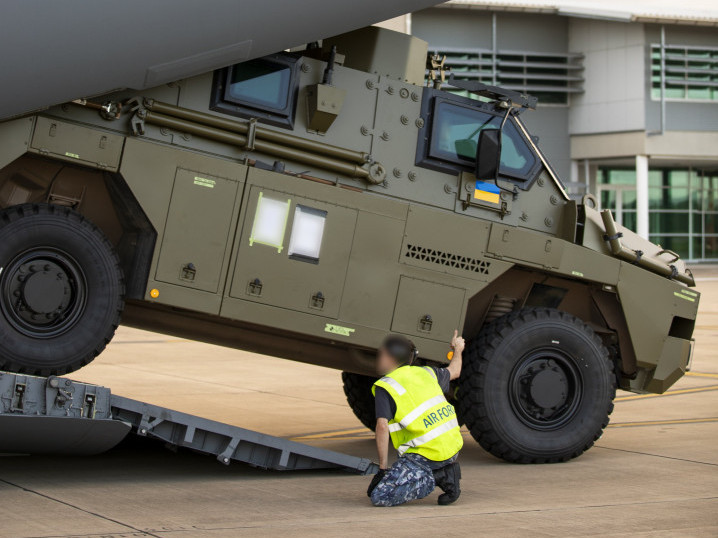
{"x":447,"y":478}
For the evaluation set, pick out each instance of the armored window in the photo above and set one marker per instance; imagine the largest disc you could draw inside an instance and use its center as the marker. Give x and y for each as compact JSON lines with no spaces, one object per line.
{"x":265,"y":89}
{"x":455,"y":134}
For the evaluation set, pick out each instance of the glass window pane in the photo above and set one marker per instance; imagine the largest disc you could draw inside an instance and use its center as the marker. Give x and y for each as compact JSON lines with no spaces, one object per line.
{"x":697,"y":223}
{"x":629,"y":220}
{"x":455,"y":135}
{"x":677,"y":178}
{"x":710,"y":196}
{"x":711,"y":246}
{"x":711,"y":223}
{"x":608,"y":199}
{"x":674,"y":223}
{"x":628,"y":199}
{"x":655,"y":178}
{"x":260,"y":82}
{"x":669,"y":198}
{"x":622,"y":177}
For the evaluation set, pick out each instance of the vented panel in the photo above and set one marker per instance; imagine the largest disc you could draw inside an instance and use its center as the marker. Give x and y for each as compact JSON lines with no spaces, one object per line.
{"x":447,"y":259}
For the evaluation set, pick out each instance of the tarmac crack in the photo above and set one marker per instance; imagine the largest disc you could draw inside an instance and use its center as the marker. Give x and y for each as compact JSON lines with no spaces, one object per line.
{"x":656,"y":455}
{"x":75,"y":507}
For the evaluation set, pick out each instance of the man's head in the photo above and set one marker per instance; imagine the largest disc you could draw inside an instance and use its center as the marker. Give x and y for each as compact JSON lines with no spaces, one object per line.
{"x":395,"y":351}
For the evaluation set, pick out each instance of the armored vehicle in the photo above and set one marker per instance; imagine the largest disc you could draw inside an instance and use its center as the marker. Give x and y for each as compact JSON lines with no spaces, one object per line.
{"x":305,"y":203}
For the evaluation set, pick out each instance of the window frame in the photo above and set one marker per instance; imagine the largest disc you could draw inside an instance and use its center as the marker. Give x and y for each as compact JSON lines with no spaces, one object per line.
{"x":432,"y":99}
{"x":222,"y":101}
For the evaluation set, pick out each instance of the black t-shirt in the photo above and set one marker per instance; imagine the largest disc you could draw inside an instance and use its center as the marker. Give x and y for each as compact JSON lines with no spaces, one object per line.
{"x":384,"y":404}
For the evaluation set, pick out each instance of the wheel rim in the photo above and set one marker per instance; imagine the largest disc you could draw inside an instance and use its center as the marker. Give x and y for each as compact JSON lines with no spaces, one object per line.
{"x":545,"y":389}
{"x":43,"y":292}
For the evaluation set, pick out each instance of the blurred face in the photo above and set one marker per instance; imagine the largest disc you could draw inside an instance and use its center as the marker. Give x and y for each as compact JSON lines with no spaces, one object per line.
{"x":385,"y":363}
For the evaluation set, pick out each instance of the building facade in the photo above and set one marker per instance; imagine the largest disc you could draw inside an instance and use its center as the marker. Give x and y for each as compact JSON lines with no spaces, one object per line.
{"x":628,"y":103}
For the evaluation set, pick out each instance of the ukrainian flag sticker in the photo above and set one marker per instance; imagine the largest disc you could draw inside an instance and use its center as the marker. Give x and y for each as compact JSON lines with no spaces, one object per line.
{"x":486,"y":192}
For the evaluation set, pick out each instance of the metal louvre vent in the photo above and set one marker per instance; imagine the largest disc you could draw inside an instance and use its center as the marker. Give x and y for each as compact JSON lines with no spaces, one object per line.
{"x":548,"y":76}
{"x":449,"y":260}
{"x":684,"y":72}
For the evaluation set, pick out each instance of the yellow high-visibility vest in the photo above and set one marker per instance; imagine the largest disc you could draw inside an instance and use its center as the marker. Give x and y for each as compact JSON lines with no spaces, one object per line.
{"x":424,"y":423}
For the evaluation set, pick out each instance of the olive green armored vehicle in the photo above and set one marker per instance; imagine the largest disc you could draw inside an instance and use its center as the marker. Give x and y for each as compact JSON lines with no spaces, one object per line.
{"x":305,"y":203}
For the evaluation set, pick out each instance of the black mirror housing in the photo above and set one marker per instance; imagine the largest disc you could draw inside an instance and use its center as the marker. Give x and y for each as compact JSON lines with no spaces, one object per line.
{"x":488,"y":154}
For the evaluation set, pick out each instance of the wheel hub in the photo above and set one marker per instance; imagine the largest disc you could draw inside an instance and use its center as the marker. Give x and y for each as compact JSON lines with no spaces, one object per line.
{"x":46,"y":290}
{"x":43,"y":293}
{"x":545,"y":389}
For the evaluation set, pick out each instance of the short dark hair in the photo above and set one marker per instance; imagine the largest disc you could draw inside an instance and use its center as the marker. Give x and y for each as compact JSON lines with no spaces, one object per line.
{"x":400,"y":348}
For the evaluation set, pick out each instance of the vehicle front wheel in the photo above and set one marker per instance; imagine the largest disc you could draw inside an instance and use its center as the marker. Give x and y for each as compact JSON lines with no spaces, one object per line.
{"x":537,"y":386}
{"x":61,"y":290}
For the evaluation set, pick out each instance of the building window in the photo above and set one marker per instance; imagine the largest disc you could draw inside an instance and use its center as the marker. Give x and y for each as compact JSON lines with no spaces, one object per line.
{"x":686,"y":73}
{"x":265,"y":89}
{"x":683,"y":207}
{"x":549,"y":76}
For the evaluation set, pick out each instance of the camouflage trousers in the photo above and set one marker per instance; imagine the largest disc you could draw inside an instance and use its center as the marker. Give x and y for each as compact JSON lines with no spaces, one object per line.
{"x":410,"y":478}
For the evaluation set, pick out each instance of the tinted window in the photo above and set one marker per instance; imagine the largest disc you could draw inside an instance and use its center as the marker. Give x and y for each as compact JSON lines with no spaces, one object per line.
{"x":455,"y":135}
{"x":261,"y":83}
{"x":265,"y":89}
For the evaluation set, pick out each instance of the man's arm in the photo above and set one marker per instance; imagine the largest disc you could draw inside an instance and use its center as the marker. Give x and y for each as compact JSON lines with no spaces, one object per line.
{"x":382,"y":442}
{"x":454,"y":368}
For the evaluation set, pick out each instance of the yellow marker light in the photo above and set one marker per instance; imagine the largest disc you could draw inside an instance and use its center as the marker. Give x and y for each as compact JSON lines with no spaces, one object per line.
{"x":154,"y":293}
{"x":450,"y":355}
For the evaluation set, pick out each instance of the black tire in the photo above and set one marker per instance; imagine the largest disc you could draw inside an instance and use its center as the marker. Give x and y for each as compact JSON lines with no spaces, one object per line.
{"x":358,"y":392}
{"x":537,"y":386}
{"x":61,"y":290}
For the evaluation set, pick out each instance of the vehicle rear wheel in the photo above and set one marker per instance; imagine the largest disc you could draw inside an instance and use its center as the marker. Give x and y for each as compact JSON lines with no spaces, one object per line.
{"x":358,"y":392}
{"x":61,"y":290}
{"x":537,"y":386}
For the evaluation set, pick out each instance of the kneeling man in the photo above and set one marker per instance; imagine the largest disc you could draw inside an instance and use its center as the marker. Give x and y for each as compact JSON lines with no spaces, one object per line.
{"x":411,"y":410}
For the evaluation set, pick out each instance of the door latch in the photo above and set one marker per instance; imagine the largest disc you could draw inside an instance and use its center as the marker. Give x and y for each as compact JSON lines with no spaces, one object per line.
{"x":425,"y":323}
{"x":254,"y":287}
{"x":317,"y":301}
{"x":189,"y":272}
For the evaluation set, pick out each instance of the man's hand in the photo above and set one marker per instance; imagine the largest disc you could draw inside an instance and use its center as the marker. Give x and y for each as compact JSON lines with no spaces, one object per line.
{"x":457,"y":344}
{"x":375,"y":481}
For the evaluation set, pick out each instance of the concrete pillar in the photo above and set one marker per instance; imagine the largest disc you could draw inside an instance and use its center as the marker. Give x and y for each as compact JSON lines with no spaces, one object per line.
{"x":642,"y":196}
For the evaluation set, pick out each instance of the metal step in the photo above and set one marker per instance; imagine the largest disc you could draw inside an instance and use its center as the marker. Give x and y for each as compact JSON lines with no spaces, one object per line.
{"x":58,"y":415}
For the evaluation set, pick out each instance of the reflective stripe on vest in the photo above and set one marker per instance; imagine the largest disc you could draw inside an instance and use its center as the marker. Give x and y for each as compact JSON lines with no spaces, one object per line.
{"x":430,"y":436}
{"x":416,"y":413}
{"x":394,"y":384}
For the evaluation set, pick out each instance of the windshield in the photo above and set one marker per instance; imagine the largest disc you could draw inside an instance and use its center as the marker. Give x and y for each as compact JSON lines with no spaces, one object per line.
{"x":455,"y":135}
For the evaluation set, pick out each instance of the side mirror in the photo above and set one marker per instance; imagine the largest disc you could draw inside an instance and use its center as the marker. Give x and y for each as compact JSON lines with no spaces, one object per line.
{"x":488,"y":154}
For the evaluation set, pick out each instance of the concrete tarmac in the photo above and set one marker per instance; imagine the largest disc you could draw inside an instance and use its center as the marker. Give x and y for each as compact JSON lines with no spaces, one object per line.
{"x":653,"y":473}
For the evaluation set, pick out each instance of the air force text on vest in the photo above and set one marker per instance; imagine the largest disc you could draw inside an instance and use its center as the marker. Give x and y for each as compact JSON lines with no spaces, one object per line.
{"x":441,"y":413}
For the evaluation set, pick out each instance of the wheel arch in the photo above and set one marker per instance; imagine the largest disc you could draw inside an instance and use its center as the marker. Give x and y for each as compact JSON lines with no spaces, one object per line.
{"x":594,"y":303}
{"x":101,"y":196}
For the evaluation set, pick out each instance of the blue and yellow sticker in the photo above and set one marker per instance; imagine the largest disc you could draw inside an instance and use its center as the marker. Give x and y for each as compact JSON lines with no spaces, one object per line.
{"x":486,"y":192}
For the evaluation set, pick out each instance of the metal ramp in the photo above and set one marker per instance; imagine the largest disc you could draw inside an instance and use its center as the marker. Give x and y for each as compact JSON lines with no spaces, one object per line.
{"x":58,"y":415}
